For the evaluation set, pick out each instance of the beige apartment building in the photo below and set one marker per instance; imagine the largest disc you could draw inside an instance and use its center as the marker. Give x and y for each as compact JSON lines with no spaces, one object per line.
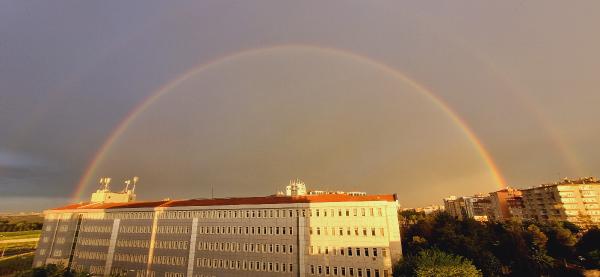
{"x":289,"y":234}
{"x":574,"y":200}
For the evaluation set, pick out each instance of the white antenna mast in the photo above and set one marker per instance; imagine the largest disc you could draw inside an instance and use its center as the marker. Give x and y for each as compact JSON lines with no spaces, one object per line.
{"x":135,"y":180}
{"x":127,"y":182}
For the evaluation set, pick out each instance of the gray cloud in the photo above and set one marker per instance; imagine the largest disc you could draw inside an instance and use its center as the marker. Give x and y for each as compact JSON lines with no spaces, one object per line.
{"x":71,"y":72}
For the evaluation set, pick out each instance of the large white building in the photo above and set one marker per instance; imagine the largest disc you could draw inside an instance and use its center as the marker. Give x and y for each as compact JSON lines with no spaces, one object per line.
{"x":282,"y":235}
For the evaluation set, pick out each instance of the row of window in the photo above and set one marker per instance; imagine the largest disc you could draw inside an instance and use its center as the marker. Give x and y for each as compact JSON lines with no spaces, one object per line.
{"x":348,"y":251}
{"x":246,"y":247}
{"x":135,"y":243}
{"x":237,"y":230}
{"x":90,"y":255}
{"x":92,"y":241}
{"x":339,"y":231}
{"x":117,"y":271}
{"x":95,"y":228}
{"x":171,"y":244}
{"x":131,"y":258}
{"x":215,"y":214}
{"x":271,"y":213}
{"x":169,"y":260}
{"x":347,"y":271}
{"x":244,"y":265}
{"x":58,"y":216}
{"x":177,"y":229}
{"x":136,"y":229}
{"x":248,"y":230}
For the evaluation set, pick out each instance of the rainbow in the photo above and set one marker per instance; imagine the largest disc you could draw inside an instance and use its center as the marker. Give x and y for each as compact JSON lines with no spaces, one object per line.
{"x":100,"y":155}
{"x":518,"y":92}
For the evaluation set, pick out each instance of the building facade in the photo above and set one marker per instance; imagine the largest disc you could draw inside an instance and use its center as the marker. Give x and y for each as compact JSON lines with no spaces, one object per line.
{"x":504,"y":203}
{"x":577,"y":201}
{"x":300,"y":235}
{"x":476,"y":207}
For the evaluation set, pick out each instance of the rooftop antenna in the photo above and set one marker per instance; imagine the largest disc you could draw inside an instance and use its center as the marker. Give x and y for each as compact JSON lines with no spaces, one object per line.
{"x":135,"y":180}
{"x":105,"y":182}
{"x":127,"y":182}
{"x":212,"y":191}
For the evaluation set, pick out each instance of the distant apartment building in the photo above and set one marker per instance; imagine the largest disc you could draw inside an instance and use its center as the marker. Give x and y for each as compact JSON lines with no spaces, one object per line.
{"x":505,"y":204}
{"x":516,"y":208}
{"x":429,"y":209}
{"x":574,"y":200}
{"x":288,"y":234}
{"x":476,"y":207}
{"x":455,"y":206}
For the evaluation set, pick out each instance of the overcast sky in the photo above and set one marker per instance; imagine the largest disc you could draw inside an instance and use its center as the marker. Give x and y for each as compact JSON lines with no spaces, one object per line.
{"x":523,"y":75}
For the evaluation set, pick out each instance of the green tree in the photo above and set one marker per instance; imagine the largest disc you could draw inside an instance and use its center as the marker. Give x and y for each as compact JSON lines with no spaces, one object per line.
{"x":588,"y":248}
{"x":51,"y":270}
{"x":538,"y":256}
{"x":434,"y":262}
{"x":561,"y":241}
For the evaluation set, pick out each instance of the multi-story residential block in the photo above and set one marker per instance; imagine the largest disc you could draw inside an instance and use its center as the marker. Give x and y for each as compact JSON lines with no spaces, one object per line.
{"x":455,"y":206}
{"x":280,"y":235}
{"x":516,"y":208}
{"x":577,"y":201}
{"x":476,"y":207}
{"x":504,"y":203}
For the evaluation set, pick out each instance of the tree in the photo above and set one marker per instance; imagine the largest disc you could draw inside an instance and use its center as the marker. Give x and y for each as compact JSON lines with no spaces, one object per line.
{"x":561,"y":241}
{"x":588,"y":248}
{"x":434,"y":262}
{"x":51,"y":270}
{"x":538,"y":257}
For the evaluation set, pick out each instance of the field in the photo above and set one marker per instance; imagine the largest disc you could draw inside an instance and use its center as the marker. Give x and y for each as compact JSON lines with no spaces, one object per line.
{"x":19,"y":235}
{"x":15,"y":243}
{"x":10,"y":265}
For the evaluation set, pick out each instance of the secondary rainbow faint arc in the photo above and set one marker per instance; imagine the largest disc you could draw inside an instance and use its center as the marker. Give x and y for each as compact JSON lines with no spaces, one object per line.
{"x":132,"y":115}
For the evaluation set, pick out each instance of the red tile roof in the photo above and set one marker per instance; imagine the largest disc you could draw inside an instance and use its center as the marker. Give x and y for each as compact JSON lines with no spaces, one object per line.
{"x":234,"y":201}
